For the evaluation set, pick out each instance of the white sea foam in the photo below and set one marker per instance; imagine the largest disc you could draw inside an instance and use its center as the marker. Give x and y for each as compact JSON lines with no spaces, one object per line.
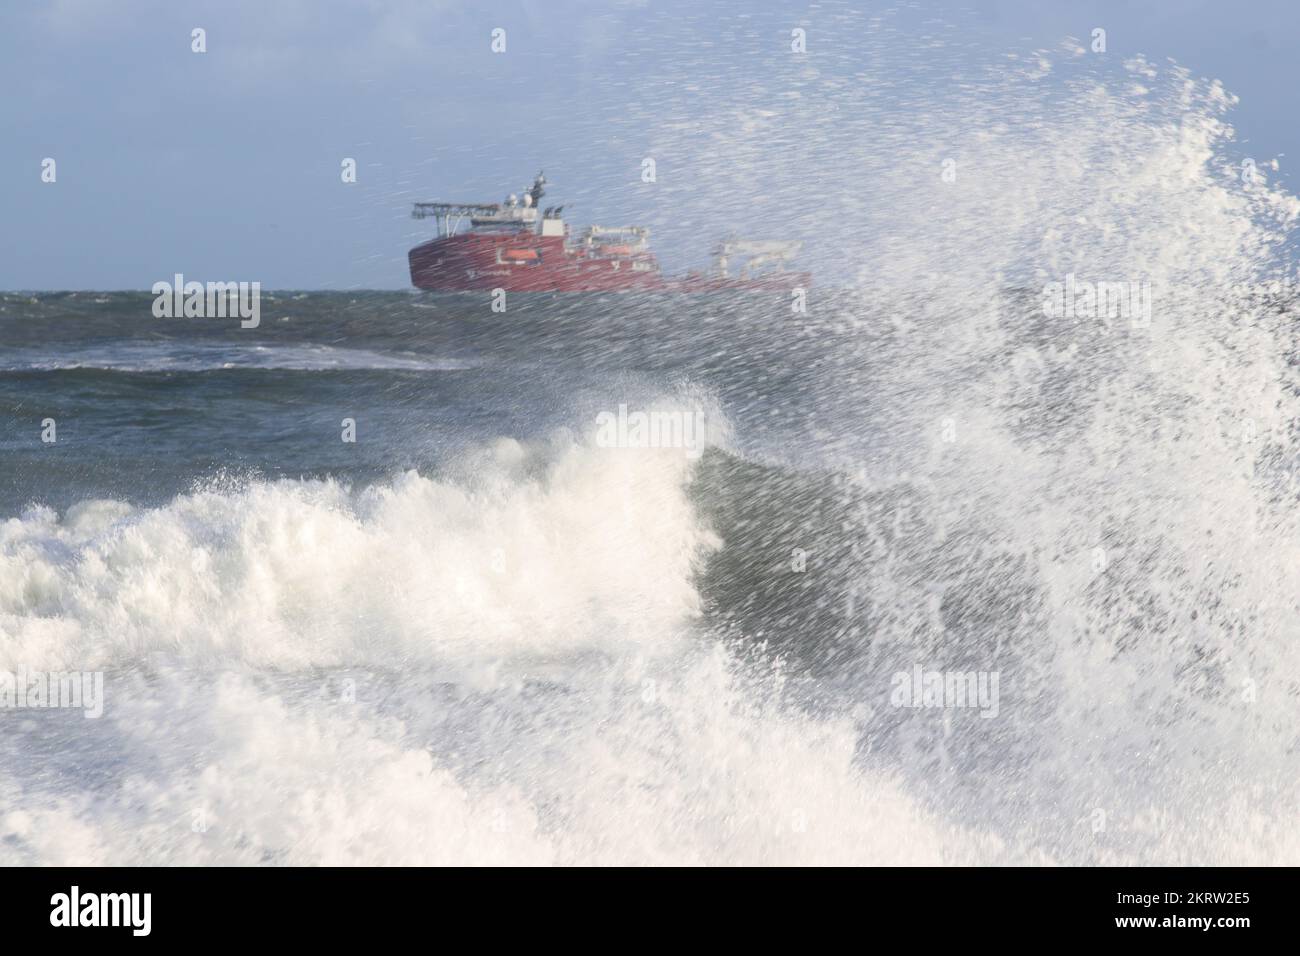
{"x":563,"y":548}
{"x":1129,"y":485}
{"x":359,"y":683}
{"x":703,"y":775}
{"x":647,"y":745}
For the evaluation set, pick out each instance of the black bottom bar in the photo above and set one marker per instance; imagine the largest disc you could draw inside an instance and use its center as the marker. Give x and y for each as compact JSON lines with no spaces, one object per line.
{"x":1225,"y":907}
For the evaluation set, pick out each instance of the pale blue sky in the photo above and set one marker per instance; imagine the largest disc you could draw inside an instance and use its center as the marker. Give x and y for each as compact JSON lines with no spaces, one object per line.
{"x":226,"y":165}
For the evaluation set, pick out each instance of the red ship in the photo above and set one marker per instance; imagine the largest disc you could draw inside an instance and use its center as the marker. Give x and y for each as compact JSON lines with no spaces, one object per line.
{"x":518,"y":247}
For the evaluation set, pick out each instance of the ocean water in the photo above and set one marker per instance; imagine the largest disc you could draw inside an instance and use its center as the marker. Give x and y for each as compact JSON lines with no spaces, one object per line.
{"x":483,"y":632}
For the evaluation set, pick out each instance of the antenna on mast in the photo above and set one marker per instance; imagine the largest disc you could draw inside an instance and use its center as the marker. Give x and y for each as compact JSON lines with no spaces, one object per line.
{"x":538,"y":190}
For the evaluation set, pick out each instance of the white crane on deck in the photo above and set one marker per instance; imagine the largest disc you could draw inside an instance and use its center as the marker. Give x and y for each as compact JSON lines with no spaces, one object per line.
{"x":756,"y":253}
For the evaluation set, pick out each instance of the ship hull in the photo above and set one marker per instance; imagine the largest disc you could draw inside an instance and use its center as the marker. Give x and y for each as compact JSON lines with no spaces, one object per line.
{"x":526,"y":262}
